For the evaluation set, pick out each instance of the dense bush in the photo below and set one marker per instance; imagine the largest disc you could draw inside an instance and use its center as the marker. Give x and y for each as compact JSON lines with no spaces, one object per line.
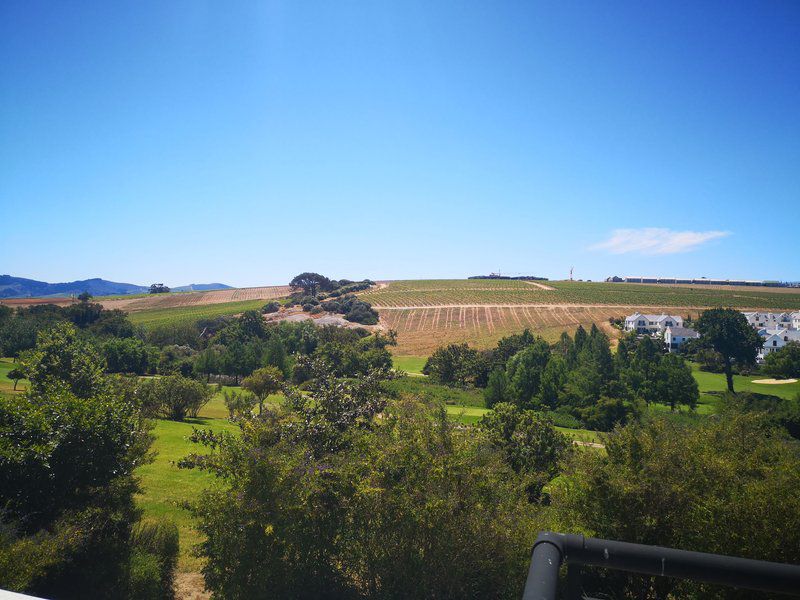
{"x":271,"y":307}
{"x":726,"y":486}
{"x":154,"y":543}
{"x":457,"y":365}
{"x":68,"y":450}
{"x":324,"y":500}
{"x":128,"y":355}
{"x":785,"y":362}
{"x":239,"y":404}
{"x":173,"y":397}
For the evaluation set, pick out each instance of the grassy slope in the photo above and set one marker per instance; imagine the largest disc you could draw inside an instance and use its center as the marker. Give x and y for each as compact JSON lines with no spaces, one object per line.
{"x":433,"y":292}
{"x":410,"y":364}
{"x":180,"y":314}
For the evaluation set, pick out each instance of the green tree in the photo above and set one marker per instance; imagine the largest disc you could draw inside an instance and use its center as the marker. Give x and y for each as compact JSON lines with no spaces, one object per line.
{"x":262,"y":383}
{"x":126,"y":355}
{"x":321,"y":499}
{"x":239,"y":404}
{"x":784,"y":363}
{"x":524,"y":372}
{"x":676,"y":386}
{"x":68,"y":450}
{"x":554,"y":377}
{"x":727,"y":331}
{"x":63,"y":361}
{"x":16,"y":374}
{"x":456,"y":365}
{"x":704,"y":487}
{"x":275,"y":355}
{"x":310,"y":283}
{"x":530,"y":443}
{"x":173,"y":397}
{"x":495,"y":391}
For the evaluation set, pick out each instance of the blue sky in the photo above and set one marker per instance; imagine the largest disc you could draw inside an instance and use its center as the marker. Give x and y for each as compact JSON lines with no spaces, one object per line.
{"x":244,"y":142}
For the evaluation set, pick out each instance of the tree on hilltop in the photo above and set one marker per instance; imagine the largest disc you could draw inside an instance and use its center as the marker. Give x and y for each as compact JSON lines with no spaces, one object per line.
{"x":159,"y":288}
{"x":310,"y":283}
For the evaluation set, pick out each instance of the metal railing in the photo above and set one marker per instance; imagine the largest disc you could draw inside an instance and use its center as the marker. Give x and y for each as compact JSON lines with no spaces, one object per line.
{"x":551,"y":550}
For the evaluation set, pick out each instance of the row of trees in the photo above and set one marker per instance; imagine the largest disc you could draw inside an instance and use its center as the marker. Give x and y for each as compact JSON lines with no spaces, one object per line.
{"x":578,"y":377}
{"x":230,"y":348}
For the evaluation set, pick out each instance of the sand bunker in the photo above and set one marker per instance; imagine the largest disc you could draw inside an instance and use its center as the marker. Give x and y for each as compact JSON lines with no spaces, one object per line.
{"x":774,"y":381}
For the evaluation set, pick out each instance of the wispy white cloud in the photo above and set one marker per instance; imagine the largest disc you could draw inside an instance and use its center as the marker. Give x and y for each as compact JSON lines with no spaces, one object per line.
{"x":656,"y":240}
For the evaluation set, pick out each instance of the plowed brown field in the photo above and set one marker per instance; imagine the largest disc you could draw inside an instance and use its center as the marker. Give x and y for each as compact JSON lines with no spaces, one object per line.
{"x":161,"y":301}
{"x":421,"y":330}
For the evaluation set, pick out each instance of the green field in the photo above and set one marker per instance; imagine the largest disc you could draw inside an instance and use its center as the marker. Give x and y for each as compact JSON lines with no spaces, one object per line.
{"x":183,"y":314}
{"x":165,"y":487}
{"x":410,"y":364}
{"x":477,"y":291}
{"x":715,"y":382}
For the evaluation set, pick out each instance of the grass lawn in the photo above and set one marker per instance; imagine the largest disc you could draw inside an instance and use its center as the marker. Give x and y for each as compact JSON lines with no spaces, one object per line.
{"x":410,"y":364}
{"x":165,"y":486}
{"x":715,"y":382}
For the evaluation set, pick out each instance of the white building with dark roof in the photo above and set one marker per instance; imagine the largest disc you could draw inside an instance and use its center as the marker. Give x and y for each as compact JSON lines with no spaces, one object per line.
{"x":769,"y":320}
{"x":675,"y":337}
{"x":775,"y":339}
{"x":641,"y":323}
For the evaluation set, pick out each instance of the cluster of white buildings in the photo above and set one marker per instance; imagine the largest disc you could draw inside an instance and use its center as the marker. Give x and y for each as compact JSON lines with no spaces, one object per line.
{"x":777,"y":329}
{"x":670,"y":327}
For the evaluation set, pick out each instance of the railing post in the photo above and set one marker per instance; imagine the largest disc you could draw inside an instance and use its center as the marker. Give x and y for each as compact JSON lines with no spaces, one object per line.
{"x":542,"y":583}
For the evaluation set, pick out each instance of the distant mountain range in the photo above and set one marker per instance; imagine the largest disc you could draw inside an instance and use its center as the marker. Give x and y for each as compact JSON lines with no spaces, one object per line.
{"x":19,"y":287}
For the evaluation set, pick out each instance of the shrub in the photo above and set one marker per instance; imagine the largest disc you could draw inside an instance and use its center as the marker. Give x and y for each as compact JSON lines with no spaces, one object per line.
{"x":145,"y":576}
{"x":157,"y":539}
{"x":239,"y":404}
{"x":173,"y":397}
{"x":271,"y":307}
{"x":325,"y":500}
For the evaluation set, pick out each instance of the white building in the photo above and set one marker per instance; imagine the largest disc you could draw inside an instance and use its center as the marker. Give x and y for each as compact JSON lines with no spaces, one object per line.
{"x":641,"y":323}
{"x":768,"y":320}
{"x":796,"y":320}
{"x":675,"y":337}
{"x":775,"y":339}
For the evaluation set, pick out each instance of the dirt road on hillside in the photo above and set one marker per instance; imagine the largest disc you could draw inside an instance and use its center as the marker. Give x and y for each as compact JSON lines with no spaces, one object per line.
{"x":541,"y":286}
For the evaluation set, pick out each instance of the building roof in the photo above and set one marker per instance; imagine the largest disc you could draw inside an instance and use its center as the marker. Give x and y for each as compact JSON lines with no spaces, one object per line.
{"x":683,"y":332}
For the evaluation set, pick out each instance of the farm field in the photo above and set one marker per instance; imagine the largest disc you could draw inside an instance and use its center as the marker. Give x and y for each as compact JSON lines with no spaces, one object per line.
{"x":182,"y":314}
{"x":429,"y":313}
{"x":446,"y":292}
{"x":149,"y":302}
{"x":420,"y":331}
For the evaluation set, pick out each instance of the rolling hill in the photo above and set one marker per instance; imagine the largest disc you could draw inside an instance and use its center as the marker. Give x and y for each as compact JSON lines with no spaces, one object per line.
{"x":20,"y":287}
{"x":429,"y":313}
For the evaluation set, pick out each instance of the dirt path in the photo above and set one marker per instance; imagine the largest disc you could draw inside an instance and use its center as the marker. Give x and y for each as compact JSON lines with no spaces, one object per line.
{"x":588,"y":444}
{"x":541,"y":286}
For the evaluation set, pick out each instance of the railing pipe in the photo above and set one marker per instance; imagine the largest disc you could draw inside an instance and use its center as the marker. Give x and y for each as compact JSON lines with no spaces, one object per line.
{"x":551,"y":549}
